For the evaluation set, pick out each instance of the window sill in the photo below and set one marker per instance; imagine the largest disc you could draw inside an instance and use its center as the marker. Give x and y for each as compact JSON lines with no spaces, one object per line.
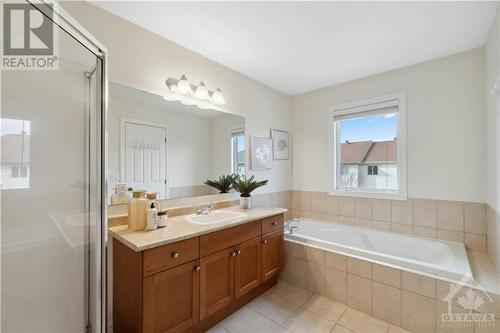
{"x":371,"y":195}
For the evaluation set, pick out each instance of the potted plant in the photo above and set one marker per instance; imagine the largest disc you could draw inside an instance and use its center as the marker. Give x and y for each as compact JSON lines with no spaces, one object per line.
{"x":245,"y":186}
{"x":223,"y":184}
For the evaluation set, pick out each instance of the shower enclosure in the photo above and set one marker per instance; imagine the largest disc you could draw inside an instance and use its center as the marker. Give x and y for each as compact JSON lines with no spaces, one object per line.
{"x":52,"y":187}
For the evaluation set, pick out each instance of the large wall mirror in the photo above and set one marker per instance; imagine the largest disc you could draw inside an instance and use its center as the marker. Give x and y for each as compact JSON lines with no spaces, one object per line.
{"x":168,"y":147}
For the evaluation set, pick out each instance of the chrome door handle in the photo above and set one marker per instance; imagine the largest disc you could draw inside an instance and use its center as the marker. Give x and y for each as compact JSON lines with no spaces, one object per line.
{"x":238,"y":252}
{"x":233,"y":253}
{"x":175,"y":254}
{"x":197,"y":268}
{"x":274,"y":223}
{"x":264,"y":241}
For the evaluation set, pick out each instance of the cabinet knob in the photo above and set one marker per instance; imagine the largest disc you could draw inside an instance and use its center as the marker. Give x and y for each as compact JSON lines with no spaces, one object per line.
{"x":238,"y":252}
{"x":233,"y":253}
{"x":175,"y":254}
{"x":197,"y":268}
{"x":264,"y":241}
{"x":274,"y":223}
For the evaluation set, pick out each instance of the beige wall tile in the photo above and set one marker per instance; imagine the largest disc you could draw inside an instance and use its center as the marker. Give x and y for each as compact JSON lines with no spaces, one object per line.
{"x":346,"y":220}
{"x":363,"y":208}
{"x":386,"y":303}
{"x":381,"y":210}
{"x":450,"y":215}
{"x":315,"y":255}
{"x":335,"y":260}
{"x":295,"y":249}
{"x":424,"y":212}
{"x":318,"y":202}
{"x":319,"y":216}
{"x":332,"y":205}
{"x":363,"y":222}
{"x":315,"y":278}
{"x":332,"y":218}
{"x":475,"y":242}
{"x":418,"y":313}
{"x":450,"y":327}
{"x":419,"y":284}
{"x":475,"y":218}
{"x":336,"y":285}
{"x":305,"y":200}
{"x":359,"y":293}
{"x":359,"y":267}
{"x":387,"y":275}
{"x":294,"y":271}
{"x":346,"y":206}
{"x":401,"y":228}
{"x":402,"y":211}
{"x":301,"y":213}
{"x":380,"y":225}
{"x":453,"y":236}
{"x":424,"y":232}
{"x":443,"y":288}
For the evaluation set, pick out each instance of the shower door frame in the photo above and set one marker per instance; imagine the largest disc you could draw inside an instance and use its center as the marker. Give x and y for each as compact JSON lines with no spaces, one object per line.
{"x":63,"y":20}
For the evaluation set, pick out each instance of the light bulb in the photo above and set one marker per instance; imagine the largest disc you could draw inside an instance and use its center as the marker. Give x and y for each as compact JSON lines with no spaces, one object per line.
{"x":218,"y":97}
{"x":202,"y":92}
{"x":183,"y":86}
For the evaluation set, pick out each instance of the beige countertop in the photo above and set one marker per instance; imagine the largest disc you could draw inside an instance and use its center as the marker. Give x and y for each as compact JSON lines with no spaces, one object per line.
{"x":178,"y":228}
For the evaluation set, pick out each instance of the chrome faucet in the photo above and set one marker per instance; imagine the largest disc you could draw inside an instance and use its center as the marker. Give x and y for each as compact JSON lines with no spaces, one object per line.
{"x":292,"y":228}
{"x":204,"y":210}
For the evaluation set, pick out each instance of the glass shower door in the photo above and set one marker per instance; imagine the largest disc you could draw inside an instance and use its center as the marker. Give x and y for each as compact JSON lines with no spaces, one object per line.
{"x":51,"y":194}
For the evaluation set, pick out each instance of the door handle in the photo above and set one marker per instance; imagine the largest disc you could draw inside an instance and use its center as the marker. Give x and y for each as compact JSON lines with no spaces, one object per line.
{"x":238,"y":252}
{"x":264,"y":241}
{"x":274,"y":223}
{"x":175,"y":254}
{"x":233,"y":253}
{"x":197,"y":268}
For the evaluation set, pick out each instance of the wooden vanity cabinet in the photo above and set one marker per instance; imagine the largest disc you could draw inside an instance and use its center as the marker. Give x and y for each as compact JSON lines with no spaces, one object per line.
{"x":190,"y":285}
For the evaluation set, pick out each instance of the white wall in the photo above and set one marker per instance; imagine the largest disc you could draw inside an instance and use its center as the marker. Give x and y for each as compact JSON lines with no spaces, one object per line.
{"x":493,"y":144}
{"x":445,"y":126}
{"x":143,"y":60}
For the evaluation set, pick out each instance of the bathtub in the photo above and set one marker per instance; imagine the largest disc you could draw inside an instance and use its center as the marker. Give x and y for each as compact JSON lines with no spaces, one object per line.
{"x":437,"y":259}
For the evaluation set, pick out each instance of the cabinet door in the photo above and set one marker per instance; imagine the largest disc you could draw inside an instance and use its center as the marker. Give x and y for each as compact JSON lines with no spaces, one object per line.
{"x":247,"y":266}
{"x":171,"y":299}
{"x":272,"y":252}
{"x":216,"y":281}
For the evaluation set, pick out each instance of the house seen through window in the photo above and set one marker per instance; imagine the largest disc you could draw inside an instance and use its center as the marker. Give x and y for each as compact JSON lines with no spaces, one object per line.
{"x":366,"y":143}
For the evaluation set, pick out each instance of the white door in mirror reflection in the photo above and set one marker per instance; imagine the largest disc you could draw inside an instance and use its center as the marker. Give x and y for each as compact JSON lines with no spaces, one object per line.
{"x":145,"y":158}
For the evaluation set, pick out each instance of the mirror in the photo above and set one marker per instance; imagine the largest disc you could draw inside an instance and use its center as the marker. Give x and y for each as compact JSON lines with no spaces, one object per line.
{"x":168,"y":147}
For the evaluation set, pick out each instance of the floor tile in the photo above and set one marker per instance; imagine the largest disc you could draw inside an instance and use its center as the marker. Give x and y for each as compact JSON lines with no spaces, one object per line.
{"x":341,"y":329}
{"x":362,"y":323}
{"x":307,"y":322}
{"x":274,"y":307}
{"x":247,"y":320}
{"x":291,"y":293}
{"x":396,"y":329}
{"x":217,"y":329}
{"x":325,"y":308}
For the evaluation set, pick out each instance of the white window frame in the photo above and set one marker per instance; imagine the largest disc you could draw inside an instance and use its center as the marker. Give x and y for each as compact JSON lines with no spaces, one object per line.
{"x":232,"y":131}
{"x":334,"y":138}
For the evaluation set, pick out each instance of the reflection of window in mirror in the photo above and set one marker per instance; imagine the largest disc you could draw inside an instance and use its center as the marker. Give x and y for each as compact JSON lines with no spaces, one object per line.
{"x":238,"y":151}
{"x":15,"y":137}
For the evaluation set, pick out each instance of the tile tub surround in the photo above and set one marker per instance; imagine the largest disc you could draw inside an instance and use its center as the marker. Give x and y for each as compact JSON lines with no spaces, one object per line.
{"x":405,"y":299}
{"x":463,"y":222}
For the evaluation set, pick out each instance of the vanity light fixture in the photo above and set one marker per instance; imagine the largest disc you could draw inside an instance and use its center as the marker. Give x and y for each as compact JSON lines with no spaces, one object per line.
{"x":202,"y":92}
{"x":193,"y":93}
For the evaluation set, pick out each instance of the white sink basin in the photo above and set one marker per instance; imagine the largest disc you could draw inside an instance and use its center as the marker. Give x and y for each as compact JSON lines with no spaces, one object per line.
{"x":215,"y":217}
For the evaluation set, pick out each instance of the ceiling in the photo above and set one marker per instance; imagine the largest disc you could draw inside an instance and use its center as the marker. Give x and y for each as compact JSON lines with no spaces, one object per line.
{"x":297,"y":47}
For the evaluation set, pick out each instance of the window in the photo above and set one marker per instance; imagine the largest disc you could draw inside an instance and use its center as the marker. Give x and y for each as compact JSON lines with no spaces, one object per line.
{"x":238,"y":152}
{"x":15,"y":153}
{"x":372,"y":170}
{"x":367,"y":148}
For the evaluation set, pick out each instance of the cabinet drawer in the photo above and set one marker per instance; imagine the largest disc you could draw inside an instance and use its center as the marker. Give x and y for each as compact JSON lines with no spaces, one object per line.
{"x":171,"y":255}
{"x":273,"y":223}
{"x":223,"y":239}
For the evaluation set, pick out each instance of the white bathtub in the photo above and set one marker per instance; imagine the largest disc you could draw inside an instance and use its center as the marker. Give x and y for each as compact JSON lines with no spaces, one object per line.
{"x":438,"y":259}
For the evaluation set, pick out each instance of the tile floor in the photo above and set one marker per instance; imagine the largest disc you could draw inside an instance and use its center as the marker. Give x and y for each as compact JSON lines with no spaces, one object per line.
{"x":288,"y":308}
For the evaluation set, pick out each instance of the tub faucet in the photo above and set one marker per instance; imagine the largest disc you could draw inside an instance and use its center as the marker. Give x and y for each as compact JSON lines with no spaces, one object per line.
{"x":292,"y":228}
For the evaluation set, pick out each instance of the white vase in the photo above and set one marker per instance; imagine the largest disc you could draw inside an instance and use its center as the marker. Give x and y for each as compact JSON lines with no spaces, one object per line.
{"x":245,"y":202}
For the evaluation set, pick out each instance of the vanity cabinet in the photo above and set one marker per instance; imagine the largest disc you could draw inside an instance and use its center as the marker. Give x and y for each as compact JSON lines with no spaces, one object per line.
{"x":190,"y":285}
